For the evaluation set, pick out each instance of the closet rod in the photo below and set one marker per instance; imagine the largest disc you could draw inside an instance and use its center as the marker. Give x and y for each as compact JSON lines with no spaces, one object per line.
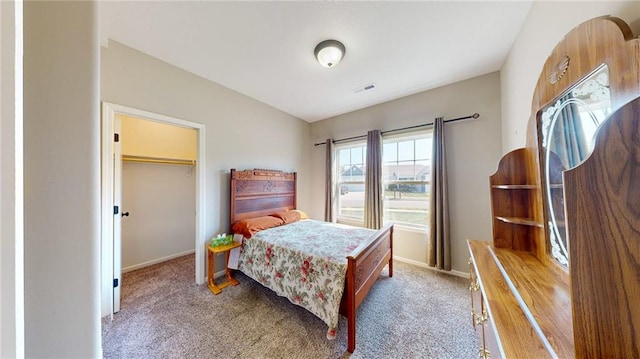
{"x":474,"y":116}
{"x":147,"y":159}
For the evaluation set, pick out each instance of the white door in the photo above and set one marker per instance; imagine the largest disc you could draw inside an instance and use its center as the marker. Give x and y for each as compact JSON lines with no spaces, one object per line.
{"x":117,"y":215}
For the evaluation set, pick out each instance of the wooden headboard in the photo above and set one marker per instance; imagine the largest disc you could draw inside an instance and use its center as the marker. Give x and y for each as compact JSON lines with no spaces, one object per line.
{"x":260,"y":192}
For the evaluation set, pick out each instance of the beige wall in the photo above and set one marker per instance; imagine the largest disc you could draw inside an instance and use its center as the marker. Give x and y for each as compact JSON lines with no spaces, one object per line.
{"x":11,"y":241}
{"x":240,"y":132}
{"x":153,"y":139}
{"x":61,"y":180}
{"x":545,"y":26}
{"x":473,"y":153}
{"x":161,"y":225}
{"x":159,"y":197}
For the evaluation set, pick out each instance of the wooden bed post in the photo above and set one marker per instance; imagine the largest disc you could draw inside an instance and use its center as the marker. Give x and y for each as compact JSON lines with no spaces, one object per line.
{"x":232,"y":204}
{"x":351,"y":305}
{"x":391,"y":252}
{"x":363,"y":268}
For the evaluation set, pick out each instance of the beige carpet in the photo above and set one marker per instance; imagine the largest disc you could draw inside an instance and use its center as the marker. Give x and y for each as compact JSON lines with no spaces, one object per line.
{"x":417,"y":313}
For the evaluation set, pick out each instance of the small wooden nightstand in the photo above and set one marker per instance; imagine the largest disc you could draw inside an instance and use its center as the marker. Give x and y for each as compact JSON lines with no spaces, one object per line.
{"x":217,"y":289}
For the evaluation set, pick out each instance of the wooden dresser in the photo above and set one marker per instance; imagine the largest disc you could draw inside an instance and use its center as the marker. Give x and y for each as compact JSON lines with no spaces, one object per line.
{"x":561,"y":277}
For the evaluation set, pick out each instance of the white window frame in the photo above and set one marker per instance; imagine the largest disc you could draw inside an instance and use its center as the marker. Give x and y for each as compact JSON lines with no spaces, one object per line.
{"x":355,"y":220}
{"x":414,"y":135}
{"x":341,"y":218}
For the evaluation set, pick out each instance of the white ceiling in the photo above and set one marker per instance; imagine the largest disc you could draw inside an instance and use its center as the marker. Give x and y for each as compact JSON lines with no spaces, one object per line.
{"x":265,"y":49}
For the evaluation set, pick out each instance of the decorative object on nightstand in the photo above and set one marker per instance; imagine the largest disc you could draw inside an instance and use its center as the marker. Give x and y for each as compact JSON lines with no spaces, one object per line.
{"x":221,"y":240}
{"x":211,"y":252}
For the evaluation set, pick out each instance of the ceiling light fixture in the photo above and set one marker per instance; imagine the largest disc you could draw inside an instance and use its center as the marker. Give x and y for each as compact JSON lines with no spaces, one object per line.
{"x":329,"y":52}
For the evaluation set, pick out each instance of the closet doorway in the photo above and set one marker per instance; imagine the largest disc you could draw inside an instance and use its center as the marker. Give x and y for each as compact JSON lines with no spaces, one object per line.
{"x":152,"y":185}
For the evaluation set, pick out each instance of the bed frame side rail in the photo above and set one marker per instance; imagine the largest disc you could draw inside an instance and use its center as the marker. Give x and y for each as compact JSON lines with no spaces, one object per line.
{"x":364,"y":268}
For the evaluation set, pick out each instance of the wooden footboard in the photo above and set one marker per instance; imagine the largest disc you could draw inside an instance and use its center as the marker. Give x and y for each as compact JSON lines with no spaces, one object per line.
{"x":364,"y":266}
{"x":261,"y":192}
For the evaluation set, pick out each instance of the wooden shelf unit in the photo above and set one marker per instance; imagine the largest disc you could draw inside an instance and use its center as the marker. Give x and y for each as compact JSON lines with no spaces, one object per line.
{"x":524,"y":304}
{"x":521,"y":221}
{"x":515,"y":204}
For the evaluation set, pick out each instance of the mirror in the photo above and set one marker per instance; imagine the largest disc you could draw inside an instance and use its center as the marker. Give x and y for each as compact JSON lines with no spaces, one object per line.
{"x":568,"y":129}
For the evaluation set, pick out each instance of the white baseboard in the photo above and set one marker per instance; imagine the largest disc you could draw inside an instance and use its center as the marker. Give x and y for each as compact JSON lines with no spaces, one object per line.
{"x":156,"y":261}
{"x":218,"y":274}
{"x":424,"y":265}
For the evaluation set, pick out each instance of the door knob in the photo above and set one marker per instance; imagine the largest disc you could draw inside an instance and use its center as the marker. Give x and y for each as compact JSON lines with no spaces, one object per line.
{"x":125,"y":214}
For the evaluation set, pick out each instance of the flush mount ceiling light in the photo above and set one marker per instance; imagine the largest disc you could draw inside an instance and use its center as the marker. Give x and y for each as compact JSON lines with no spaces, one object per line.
{"x":329,"y":52}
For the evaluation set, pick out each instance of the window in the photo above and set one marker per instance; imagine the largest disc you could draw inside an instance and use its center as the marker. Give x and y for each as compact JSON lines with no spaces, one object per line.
{"x":406,"y":172}
{"x":350,"y":174}
{"x":406,"y":178}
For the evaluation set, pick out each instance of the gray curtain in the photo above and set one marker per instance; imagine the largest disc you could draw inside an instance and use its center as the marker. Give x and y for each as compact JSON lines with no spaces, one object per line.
{"x":569,"y":141}
{"x":439,"y":239}
{"x":373,"y":181}
{"x":329,"y":181}
{"x":570,"y":147}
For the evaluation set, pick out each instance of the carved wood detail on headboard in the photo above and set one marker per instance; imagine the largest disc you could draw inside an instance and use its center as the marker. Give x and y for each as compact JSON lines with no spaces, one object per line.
{"x":260,"y":192}
{"x":259,"y":174}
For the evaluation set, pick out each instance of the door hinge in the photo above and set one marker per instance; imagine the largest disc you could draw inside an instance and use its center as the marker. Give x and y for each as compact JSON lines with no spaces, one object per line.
{"x":115,"y":282}
{"x":116,"y":210}
{"x":116,"y":137}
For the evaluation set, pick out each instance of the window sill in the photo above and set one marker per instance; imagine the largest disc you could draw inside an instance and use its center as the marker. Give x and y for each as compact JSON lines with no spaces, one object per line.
{"x":402,"y":228}
{"x":350,"y":222}
{"x":396,"y":226}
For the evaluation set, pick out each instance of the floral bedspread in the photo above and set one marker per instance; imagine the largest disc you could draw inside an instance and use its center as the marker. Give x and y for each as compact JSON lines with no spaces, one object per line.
{"x":304,"y":261}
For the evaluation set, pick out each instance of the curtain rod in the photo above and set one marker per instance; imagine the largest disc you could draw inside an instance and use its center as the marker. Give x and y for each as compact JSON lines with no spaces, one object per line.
{"x":475,"y":115}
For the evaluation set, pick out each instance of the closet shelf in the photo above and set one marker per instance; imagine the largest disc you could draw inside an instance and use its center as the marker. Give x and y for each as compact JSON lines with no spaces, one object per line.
{"x":148,"y":159}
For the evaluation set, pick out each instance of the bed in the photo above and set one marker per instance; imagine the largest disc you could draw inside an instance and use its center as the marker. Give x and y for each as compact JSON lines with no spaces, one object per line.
{"x":262,"y":193}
